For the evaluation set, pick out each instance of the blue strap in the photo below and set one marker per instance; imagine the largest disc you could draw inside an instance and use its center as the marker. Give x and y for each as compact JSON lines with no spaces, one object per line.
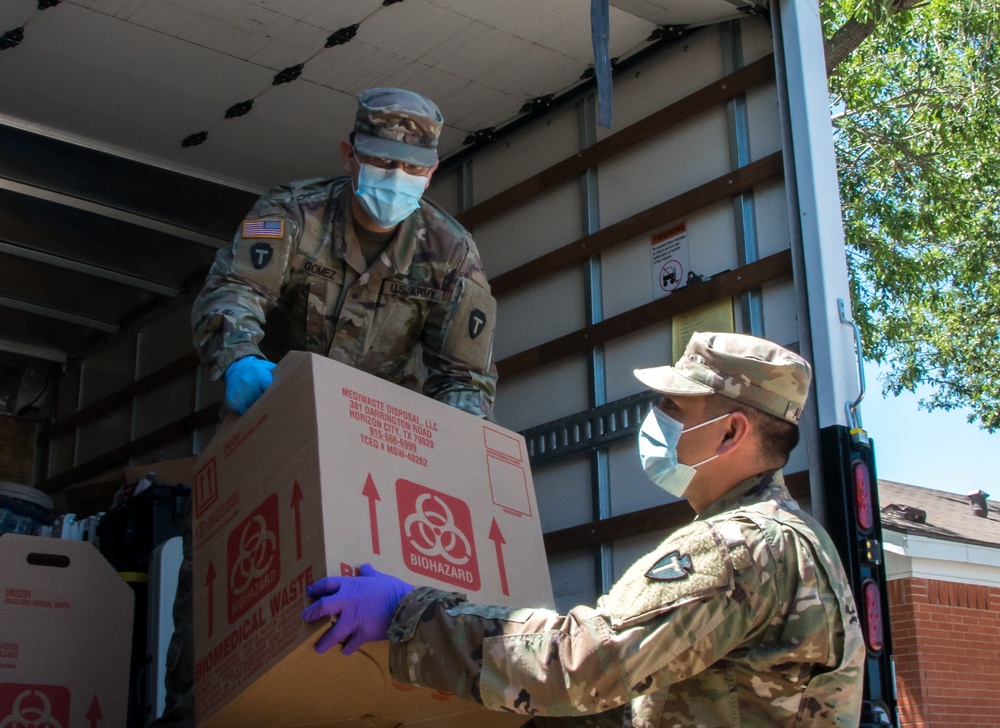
{"x":600,"y":31}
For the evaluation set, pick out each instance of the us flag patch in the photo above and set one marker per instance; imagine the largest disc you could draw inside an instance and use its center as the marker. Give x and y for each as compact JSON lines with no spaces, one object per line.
{"x":263,"y":228}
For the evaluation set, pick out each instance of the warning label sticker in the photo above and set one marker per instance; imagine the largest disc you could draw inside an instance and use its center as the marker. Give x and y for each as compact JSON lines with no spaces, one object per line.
{"x":436,"y":535}
{"x":33,"y":705}
{"x":253,"y":559}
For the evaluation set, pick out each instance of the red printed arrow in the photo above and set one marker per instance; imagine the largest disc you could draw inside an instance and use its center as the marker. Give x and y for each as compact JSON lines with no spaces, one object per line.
{"x":371,"y":493}
{"x":94,"y":713}
{"x":209,"y":583}
{"x":497,"y":538}
{"x":296,"y":499}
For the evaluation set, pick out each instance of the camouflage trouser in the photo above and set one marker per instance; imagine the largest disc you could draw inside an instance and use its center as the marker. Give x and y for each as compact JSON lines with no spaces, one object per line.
{"x":178,"y":710}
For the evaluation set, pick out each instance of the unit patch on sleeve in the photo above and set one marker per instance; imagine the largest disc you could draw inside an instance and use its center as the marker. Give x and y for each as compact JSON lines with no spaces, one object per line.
{"x":477,"y":322}
{"x":671,"y":567}
{"x":693,"y":563}
{"x":263,"y":228}
{"x":263,"y":262}
{"x":261,"y":254}
{"x":468,"y":335}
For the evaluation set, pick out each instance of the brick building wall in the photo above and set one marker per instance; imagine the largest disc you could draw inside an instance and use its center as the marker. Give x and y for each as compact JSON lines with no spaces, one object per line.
{"x":946,"y":642}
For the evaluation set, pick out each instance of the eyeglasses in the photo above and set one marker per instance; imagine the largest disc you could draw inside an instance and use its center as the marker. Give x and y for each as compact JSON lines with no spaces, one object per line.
{"x":386,"y":163}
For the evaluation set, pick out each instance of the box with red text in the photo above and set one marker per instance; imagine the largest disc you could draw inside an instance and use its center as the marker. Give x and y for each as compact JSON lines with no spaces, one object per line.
{"x":65,"y":635}
{"x":330,"y":469}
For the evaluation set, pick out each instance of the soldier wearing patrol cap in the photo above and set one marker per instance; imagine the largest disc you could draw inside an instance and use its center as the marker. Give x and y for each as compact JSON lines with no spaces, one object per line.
{"x":742,"y":618}
{"x":359,"y":268}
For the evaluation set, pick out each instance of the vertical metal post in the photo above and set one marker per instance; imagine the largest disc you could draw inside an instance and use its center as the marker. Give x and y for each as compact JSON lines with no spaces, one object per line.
{"x":199,"y":396}
{"x":600,"y":473}
{"x":79,"y":406}
{"x":817,"y":215}
{"x":465,"y":189}
{"x":739,"y":155}
{"x":136,"y":374}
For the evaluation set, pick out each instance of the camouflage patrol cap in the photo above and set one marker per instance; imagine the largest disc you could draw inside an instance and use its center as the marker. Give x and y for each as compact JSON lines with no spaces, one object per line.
{"x":397,"y":124}
{"x":753,"y":371}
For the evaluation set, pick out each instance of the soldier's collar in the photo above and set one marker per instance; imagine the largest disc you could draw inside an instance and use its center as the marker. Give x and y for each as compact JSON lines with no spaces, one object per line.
{"x":752,"y":488}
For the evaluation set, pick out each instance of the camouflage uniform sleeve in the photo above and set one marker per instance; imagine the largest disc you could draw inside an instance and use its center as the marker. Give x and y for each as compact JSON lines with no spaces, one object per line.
{"x":245,"y":281}
{"x":458,"y":341}
{"x":673,"y":614}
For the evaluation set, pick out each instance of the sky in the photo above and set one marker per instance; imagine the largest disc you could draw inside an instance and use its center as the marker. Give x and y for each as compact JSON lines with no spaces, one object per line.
{"x":938,"y":450}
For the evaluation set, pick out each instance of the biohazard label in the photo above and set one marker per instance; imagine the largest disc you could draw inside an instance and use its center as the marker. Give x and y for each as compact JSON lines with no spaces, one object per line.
{"x":253,"y":559}
{"x":436,"y":535}
{"x":34,"y":705}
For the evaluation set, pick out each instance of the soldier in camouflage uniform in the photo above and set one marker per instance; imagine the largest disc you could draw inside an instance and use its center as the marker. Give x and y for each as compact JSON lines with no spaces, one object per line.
{"x":743,"y":618}
{"x":359,"y":268}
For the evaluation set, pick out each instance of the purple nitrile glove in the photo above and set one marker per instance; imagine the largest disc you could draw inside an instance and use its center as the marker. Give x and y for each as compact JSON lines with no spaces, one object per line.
{"x":246,"y":380}
{"x":363,"y":606}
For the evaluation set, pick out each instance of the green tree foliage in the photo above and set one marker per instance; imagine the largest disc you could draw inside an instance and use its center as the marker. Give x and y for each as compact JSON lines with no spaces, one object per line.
{"x":917,"y":121}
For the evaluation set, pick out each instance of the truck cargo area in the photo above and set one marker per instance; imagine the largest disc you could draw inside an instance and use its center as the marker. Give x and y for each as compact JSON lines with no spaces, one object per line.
{"x":136,"y":134}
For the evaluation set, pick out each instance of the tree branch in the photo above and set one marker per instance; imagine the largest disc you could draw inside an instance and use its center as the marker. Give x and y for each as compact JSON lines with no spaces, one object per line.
{"x":846,"y":39}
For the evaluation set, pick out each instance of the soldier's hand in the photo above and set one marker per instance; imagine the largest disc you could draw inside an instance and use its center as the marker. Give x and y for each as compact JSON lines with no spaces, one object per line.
{"x":246,"y":380}
{"x":363,"y":606}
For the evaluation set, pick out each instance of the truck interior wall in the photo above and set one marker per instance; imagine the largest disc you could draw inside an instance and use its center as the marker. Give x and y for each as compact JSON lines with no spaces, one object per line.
{"x":107,"y":371}
{"x":144,"y":350}
{"x":582,"y":489}
{"x":550,"y":220}
{"x":691,"y":153}
{"x":535,"y":314}
{"x":561,"y":502}
{"x":59,"y":451}
{"x":548,"y":393}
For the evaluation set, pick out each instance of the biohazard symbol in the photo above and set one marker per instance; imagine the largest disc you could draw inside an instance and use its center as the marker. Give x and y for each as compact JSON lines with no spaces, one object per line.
{"x":258,"y":549}
{"x":432,"y":531}
{"x":31,"y":709}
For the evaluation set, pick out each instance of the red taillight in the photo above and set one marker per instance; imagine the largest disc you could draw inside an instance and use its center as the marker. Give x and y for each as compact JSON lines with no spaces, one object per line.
{"x":872,"y":607}
{"x":863,"y":496}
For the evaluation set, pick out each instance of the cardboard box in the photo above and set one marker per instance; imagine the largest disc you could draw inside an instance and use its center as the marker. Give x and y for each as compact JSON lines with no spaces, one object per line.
{"x":65,"y":635}
{"x":330,"y":469}
{"x":17,"y":448}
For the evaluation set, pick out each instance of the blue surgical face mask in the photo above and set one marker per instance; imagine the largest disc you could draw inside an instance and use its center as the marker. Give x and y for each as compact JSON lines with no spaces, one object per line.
{"x":388,"y":195}
{"x":658,"y":438}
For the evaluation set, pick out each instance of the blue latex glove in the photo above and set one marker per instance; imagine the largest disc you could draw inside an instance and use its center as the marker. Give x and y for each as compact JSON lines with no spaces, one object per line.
{"x":363,"y":606}
{"x":246,"y":380}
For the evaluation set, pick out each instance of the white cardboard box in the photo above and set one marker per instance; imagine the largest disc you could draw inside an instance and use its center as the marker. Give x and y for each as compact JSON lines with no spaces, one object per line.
{"x":65,"y":635}
{"x":330,"y":469}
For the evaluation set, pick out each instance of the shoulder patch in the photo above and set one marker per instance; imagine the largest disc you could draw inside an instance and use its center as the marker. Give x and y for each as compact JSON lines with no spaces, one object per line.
{"x":671,"y":567}
{"x":693,"y":563}
{"x":261,"y":252}
{"x":468,"y":335}
{"x":263,"y":229}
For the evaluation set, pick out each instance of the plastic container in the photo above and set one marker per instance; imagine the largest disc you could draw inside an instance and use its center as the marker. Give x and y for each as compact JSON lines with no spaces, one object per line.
{"x":24,"y":509}
{"x":129,"y":532}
